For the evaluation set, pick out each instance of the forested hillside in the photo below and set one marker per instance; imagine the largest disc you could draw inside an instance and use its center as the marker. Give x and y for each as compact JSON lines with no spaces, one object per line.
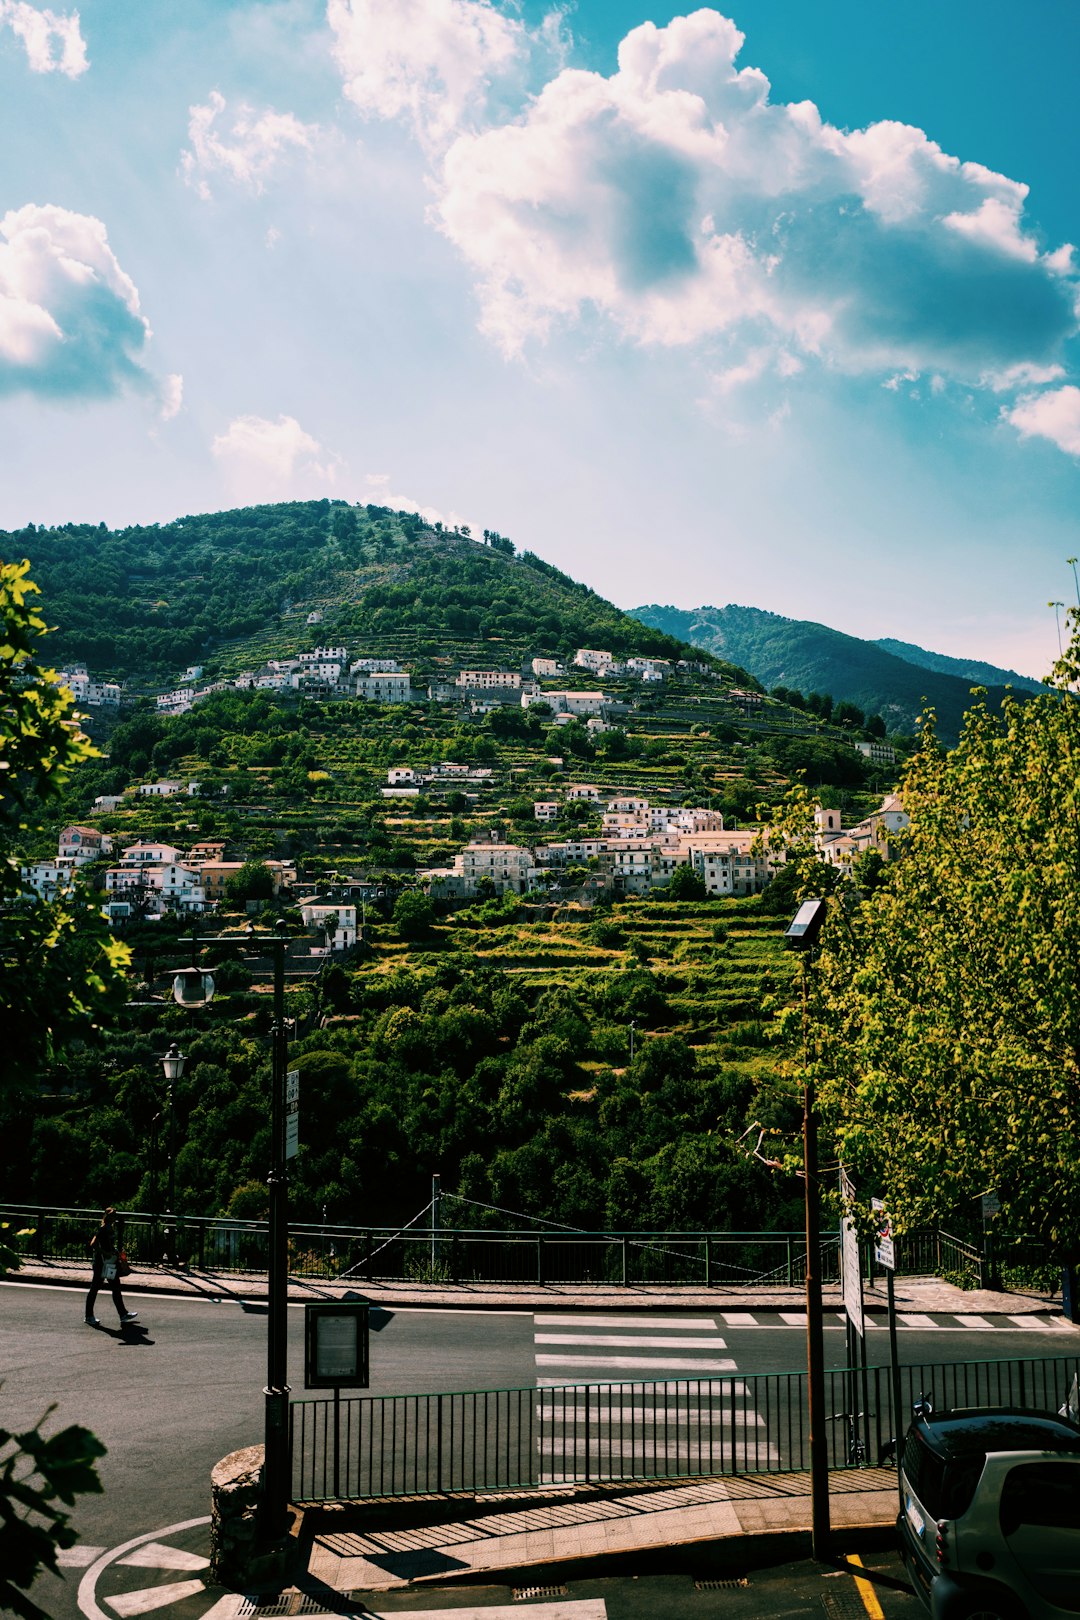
{"x":489,"y":1041}
{"x":810,"y":657}
{"x":143,"y":602}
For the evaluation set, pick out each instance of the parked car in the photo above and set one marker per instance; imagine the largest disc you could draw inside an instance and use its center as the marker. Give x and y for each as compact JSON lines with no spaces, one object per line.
{"x":990,"y":1520}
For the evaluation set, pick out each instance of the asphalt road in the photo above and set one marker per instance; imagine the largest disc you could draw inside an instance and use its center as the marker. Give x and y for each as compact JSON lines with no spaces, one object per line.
{"x":172,"y":1398}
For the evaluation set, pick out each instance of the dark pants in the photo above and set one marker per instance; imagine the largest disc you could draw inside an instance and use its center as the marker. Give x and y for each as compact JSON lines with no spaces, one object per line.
{"x":114,"y":1287}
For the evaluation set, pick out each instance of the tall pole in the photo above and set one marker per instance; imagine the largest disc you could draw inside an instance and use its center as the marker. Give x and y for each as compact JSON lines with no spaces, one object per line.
{"x":815,"y":1335}
{"x":276,"y":1482}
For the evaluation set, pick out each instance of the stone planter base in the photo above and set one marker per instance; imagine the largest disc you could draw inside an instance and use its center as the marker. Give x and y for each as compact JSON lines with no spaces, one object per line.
{"x":239,"y":1558}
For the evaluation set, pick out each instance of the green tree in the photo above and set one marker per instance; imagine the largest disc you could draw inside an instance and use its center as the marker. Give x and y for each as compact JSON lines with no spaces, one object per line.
{"x":686,"y":885}
{"x":946,"y":1006}
{"x":254,"y":881}
{"x":60,"y":971}
{"x":413,"y":914}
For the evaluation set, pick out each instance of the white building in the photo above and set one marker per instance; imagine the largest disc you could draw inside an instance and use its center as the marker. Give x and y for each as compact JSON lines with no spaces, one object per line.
{"x":567,"y":703}
{"x":323,"y":655}
{"x":593,"y":658}
{"x":879,"y":752}
{"x":77,"y":845}
{"x":176,"y":702}
{"x":144,"y":853}
{"x":374,"y":666}
{"x":160,"y":790}
{"x":548,"y":667}
{"x":338,"y":922}
{"x":509,"y":866}
{"x":315,"y":616}
{"x":389,"y":688}
{"x":47,"y":879}
{"x":399,"y":774}
{"x":546,"y":809}
{"x":649,"y":669}
{"x":489,"y":680}
{"x":583,"y":790}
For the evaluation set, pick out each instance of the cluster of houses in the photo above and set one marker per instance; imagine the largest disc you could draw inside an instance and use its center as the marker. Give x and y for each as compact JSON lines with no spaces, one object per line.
{"x":151,"y":879}
{"x":640,"y":847}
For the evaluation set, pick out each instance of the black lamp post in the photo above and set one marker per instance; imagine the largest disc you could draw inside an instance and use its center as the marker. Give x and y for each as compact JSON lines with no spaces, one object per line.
{"x":173,"y":1065}
{"x":275,"y":1500}
{"x":802,"y":935}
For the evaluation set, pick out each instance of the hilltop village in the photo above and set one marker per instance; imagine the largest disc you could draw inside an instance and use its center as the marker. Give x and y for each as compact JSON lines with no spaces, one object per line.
{"x":589,"y":841}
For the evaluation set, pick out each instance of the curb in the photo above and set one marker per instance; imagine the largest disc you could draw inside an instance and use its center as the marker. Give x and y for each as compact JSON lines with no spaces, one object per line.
{"x":200,"y":1285}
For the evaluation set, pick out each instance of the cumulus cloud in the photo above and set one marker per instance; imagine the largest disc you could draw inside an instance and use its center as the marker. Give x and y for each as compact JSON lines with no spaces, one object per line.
{"x":264,"y":459}
{"x":1054,"y":415}
{"x":52,"y":40}
{"x":435,"y":63}
{"x":243,"y":148}
{"x":70,"y":323}
{"x":678,"y":201}
{"x":377,"y":492}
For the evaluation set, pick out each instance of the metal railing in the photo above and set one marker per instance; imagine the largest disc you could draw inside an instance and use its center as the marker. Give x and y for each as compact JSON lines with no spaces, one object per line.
{"x":504,"y":1439}
{"x":457,"y":1255}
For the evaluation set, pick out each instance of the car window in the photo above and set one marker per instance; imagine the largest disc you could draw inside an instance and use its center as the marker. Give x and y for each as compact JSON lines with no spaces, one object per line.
{"x":945,"y":1489}
{"x":1041,"y":1493}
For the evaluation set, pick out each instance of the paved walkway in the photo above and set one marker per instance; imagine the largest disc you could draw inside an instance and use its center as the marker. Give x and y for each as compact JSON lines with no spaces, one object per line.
{"x":381,"y":1546}
{"x":913,"y":1294}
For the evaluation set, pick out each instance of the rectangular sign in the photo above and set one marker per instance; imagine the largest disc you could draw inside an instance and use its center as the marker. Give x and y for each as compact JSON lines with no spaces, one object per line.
{"x":336,"y":1344}
{"x":850,"y":1268}
{"x":884,"y":1253}
{"x":991,"y":1206}
{"x":292,"y":1113}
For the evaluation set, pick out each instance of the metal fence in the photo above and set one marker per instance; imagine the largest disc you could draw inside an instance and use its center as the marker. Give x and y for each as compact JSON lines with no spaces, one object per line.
{"x":489,"y":1440}
{"x":380,"y":1254}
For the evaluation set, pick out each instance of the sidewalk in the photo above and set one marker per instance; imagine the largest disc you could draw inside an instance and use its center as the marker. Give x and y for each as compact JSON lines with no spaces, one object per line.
{"x":914,"y":1295}
{"x":384,"y":1546}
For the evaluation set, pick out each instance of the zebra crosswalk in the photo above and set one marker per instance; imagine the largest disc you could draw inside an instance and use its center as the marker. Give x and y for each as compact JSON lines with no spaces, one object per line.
{"x":659,"y":1396}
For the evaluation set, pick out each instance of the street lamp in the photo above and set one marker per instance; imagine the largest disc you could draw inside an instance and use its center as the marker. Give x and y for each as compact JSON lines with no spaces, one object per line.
{"x":173,"y":1065}
{"x":802,"y":935}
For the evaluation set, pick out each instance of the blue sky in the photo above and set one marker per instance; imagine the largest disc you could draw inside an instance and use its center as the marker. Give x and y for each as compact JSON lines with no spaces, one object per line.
{"x":771,"y":304}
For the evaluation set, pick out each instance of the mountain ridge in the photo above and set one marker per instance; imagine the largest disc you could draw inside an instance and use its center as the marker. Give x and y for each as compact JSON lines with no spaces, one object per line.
{"x":811,"y":657}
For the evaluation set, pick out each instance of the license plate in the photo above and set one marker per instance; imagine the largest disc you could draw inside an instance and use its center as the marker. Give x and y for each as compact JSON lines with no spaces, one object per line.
{"x":915,"y":1518}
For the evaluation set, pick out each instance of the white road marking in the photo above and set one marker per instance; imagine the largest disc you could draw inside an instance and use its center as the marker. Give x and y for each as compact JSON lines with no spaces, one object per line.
{"x":77,"y":1557}
{"x":633,"y":1362}
{"x":1039,"y":1323}
{"x":730,"y":1389}
{"x":87,"y":1595}
{"x":154,"y":1597}
{"x":973,"y":1321}
{"x":690,"y":1323}
{"x":229,"y":1607}
{"x":155,"y":1555}
{"x":628,"y":1341}
{"x":738,"y":1319}
{"x":793,"y":1318}
{"x":563,"y":1609}
{"x":598,"y":1448}
{"x":715,"y":1416}
{"x":913,"y":1319}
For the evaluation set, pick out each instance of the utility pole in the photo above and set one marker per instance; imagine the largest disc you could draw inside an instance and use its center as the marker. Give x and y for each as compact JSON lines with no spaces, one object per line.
{"x":802,"y":935}
{"x":276,"y":1482}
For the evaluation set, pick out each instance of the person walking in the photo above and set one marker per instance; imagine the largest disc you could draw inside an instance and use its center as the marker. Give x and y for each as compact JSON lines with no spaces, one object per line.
{"x":105,"y":1252}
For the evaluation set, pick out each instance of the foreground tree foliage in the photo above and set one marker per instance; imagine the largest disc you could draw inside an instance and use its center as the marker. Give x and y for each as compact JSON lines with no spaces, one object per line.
{"x":59,"y":971}
{"x":946,"y":1001}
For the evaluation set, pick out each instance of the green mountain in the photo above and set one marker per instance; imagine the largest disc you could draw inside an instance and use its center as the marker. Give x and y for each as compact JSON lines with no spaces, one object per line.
{"x":808,"y":657}
{"x":230,"y":588}
{"x":969,"y":669}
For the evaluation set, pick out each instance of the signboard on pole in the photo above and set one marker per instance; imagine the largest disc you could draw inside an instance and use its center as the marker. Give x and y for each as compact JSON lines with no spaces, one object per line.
{"x":292,"y":1113}
{"x":336,"y":1344}
{"x":850,"y":1268}
{"x":991,"y":1206}
{"x":884,"y":1252}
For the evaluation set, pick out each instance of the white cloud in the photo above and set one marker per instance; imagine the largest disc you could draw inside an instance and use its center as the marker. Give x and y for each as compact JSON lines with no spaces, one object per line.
{"x":172,"y":396}
{"x":52,"y":40}
{"x":1054,"y":415}
{"x":377,"y":492}
{"x":676,"y":200}
{"x":435,"y":63}
{"x":70,"y":323}
{"x":247,"y":151}
{"x":264,"y":459}
{"x":1024,"y":375}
